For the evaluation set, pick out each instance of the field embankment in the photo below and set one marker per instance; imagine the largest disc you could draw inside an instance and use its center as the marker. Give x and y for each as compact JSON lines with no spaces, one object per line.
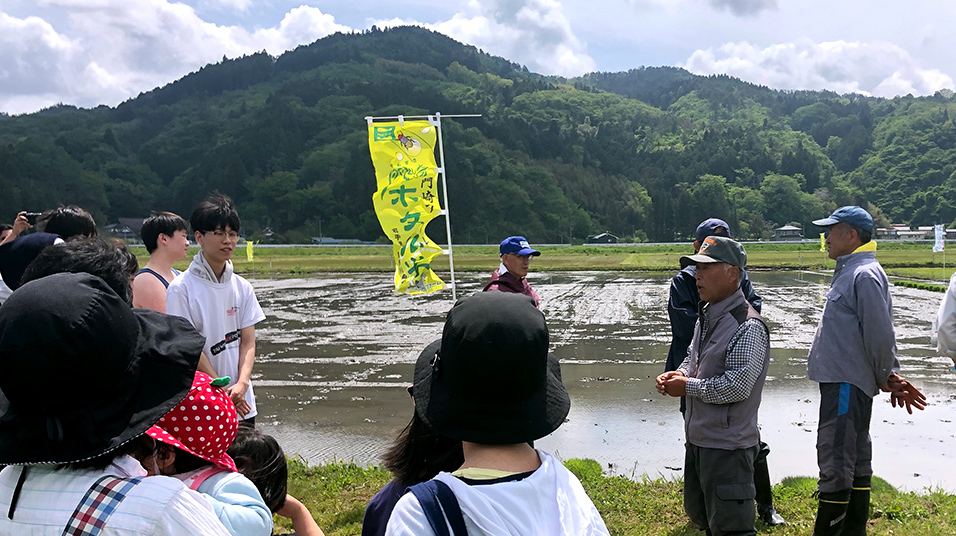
{"x":337,"y":493}
{"x":900,"y":259}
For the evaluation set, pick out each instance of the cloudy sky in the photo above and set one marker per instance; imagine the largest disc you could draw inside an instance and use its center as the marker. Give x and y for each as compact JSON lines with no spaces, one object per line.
{"x":90,"y":52}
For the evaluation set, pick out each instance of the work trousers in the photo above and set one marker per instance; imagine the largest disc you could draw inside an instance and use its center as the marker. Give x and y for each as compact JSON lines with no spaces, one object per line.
{"x":844,"y":451}
{"x":719,"y":489}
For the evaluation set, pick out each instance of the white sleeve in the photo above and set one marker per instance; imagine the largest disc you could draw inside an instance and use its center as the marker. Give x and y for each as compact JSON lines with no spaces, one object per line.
{"x":187,"y":514}
{"x":251,"y":311}
{"x":177,"y":303}
{"x":946,"y":322}
{"x":408,"y":519}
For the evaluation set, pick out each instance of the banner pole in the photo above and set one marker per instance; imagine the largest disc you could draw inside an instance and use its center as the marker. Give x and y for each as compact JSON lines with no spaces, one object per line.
{"x":444,"y":184}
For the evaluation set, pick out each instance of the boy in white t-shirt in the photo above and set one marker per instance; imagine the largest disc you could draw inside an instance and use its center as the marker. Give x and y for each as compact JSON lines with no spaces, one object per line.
{"x":219,"y":303}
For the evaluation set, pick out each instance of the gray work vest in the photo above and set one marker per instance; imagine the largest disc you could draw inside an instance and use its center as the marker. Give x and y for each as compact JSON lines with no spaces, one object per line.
{"x":722,"y":426}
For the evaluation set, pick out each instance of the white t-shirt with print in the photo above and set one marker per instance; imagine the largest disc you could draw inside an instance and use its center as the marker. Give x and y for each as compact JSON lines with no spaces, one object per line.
{"x":219,"y":310}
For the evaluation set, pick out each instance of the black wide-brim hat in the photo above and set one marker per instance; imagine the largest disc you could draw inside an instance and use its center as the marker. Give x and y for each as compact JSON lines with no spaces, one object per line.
{"x":83,"y":372}
{"x":492,"y":381}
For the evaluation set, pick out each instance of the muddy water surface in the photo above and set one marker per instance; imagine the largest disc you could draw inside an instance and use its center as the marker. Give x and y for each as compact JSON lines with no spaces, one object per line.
{"x":336,"y":353}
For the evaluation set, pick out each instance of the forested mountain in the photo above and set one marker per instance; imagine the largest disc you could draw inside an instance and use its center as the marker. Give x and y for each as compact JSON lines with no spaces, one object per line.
{"x":646,"y":153}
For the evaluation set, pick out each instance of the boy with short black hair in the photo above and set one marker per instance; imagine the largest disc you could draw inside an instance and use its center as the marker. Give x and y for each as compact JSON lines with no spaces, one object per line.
{"x":165,"y":236}
{"x":219,"y":303}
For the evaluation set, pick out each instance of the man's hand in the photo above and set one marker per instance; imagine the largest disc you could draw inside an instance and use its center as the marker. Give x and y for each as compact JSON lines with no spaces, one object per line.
{"x":237,"y":392}
{"x":672,"y":383}
{"x":904,"y":394}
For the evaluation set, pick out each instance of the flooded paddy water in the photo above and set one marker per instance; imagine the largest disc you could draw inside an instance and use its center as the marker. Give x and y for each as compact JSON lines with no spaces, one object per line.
{"x":337,"y":351}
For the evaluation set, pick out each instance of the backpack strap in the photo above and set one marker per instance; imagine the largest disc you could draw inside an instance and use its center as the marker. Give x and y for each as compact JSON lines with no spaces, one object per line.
{"x":439,"y":503}
{"x":195,"y":478}
{"x":99,"y":503}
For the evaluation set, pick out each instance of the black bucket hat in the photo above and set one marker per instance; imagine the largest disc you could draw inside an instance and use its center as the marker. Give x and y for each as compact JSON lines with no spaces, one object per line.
{"x":492,"y":381}
{"x":83,"y":372}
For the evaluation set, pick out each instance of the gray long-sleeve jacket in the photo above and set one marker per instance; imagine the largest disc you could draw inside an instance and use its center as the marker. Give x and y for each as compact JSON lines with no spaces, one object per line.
{"x":855,"y":342}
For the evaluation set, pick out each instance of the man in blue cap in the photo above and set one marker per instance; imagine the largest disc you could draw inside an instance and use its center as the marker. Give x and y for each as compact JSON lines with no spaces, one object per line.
{"x":853,"y":357}
{"x":511,"y":274}
{"x":682,"y":308}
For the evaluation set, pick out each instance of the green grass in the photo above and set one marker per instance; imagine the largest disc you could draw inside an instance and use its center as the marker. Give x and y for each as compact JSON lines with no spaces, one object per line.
{"x":920,"y":285}
{"x":907,"y":260}
{"x":337,"y":493}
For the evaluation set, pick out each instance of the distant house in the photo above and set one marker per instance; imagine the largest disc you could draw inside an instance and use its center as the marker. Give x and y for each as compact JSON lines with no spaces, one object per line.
{"x":603,"y":238}
{"x":330,"y":240}
{"x":118,"y":230}
{"x":788,"y":233}
{"x":908,"y":233}
{"x":888,"y":233}
{"x":135,"y":224}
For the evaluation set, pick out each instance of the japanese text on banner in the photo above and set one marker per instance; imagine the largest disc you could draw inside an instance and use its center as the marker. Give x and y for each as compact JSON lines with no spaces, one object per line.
{"x":406,"y":199}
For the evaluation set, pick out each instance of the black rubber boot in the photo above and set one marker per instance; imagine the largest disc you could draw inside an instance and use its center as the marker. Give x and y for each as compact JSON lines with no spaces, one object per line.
{"x":764,"y":497}
{"x":831,"y":513}
{"x":858,"y":511}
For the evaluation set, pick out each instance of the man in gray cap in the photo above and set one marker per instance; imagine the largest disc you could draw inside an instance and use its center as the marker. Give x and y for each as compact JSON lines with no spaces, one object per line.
{"x":682,"y":306}
{"x":722,"y":377}
{"x":853,"y":357}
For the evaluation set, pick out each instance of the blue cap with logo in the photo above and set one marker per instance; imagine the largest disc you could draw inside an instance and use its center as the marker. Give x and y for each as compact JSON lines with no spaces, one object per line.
{"x":711,"y":227}
{"x":853,"y":215}
{"x":517,"y":245}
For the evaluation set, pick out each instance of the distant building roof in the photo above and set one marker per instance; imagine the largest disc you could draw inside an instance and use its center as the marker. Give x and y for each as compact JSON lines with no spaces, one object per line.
{"x":135,"y":224}
{"x":788,"y":228}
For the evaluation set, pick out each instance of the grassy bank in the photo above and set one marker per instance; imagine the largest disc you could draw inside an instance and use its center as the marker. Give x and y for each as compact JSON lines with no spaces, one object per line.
{"x":336,"y":494}
{"x":910,"y":260}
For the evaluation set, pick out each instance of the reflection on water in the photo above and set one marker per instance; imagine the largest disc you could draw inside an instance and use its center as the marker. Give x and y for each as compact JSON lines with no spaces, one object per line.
{"x":335,"y":354}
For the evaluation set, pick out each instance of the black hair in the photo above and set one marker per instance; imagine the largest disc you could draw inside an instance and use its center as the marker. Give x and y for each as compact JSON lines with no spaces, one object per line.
{"x":111,"y":261}
{"x":259,"y":458}
{"x":418,"y":453}
{"x":216,"y":212}
{"x":185,"y":461}
{"x":5,"y":226}
{"x":67,"y":222}
{"x":864,"y":235}
{"x":159,"y":223}
{"x":139,"y":447}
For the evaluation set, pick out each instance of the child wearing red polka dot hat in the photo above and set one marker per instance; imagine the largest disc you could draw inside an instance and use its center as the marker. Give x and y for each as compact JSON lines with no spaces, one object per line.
{"x":192,"y":440}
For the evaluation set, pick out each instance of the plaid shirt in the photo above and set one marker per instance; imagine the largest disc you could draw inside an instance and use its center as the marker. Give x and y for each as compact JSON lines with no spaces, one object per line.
{"x":743,"y":364}
{"x":157,"y":506}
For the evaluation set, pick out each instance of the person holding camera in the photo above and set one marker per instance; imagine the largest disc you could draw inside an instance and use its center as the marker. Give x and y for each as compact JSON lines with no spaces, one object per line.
{"x":8,"y":233}
{"x":56,"y":226}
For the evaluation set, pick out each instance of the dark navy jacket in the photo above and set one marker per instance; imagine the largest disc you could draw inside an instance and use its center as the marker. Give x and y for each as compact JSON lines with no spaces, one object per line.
{"x":682,"y":308}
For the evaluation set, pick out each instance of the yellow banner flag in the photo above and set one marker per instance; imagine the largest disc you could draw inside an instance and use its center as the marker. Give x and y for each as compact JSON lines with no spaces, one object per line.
{"x":823,"y":242}
{"x":407,"y":198}
{"x":249,"y":254}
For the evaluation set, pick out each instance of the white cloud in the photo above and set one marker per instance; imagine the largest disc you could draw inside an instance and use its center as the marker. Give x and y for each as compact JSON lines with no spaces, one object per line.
{"x":238,"y":5}
{"x":106,"y":51}
{"x":301,"y":25}
{"x":880,"y":69}
{"x":30,"y":47}
{"x":744,"y":7}
{"x":535,"y":33}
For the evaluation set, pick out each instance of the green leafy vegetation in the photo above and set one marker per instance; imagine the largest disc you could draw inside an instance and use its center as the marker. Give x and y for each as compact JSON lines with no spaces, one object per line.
{"x":921,"y":285}
{"x":644,"y":154}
